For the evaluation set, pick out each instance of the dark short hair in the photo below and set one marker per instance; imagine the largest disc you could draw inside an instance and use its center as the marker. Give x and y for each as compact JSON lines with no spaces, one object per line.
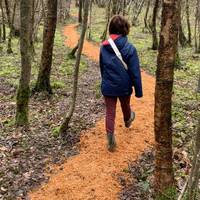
{"x":119,"y":25}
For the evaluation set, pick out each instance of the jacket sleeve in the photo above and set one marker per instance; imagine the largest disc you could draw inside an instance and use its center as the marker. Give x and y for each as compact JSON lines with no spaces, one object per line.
{"x":101,"y":63}
{"x":135,"y":73}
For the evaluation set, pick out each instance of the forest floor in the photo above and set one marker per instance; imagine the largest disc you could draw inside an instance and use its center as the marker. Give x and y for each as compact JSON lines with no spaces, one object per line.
{"x":93,"y":174}
{"x":25,"y":155}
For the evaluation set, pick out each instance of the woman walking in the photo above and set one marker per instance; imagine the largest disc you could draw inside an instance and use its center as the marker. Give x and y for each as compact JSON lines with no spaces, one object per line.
{"x":120,"y":71}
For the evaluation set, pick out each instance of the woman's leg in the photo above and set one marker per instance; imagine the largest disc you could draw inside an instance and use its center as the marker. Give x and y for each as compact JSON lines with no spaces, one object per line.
{"x":110,"y":113}
{"x":129,"y":115}
{"x":110,"y":121}
{"x":126,"y":108}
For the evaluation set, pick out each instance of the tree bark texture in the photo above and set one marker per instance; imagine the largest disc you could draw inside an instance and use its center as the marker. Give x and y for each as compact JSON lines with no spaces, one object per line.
{"x":195,"y":172}
{"x":146,"y":15}
{"x":154,"y":29}
{"x":80,"y":11}
{"x":24,"y":89}
{"x":188,"y":22}
{"x":164,"y":176}
{"x":3,"y":22}
{"x":9,"y":49}
{"x":197,"y":27}
{"x":43,"y":81}
{"x":182,"y":38}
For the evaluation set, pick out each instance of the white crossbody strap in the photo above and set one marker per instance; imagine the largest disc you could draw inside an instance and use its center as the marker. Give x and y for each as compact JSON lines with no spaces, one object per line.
{"x":117,"y":52}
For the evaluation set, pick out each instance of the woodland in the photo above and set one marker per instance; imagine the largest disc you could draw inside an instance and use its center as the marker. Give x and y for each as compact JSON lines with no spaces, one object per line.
{"x":52,"y":129}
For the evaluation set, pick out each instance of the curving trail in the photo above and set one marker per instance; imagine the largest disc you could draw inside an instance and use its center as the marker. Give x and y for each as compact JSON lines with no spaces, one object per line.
{"x":92,"y":175}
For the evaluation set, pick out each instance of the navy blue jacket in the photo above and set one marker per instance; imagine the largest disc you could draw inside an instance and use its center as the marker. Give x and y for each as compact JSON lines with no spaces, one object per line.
{"x":116,"y":81}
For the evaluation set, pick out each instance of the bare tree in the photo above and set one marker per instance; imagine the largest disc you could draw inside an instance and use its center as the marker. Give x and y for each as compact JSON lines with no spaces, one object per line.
{"x":164,"y":176}
{"x":188,"y":22}
{"x":182,"y":38}
{"x":9,"y":49}
{"x":0,"y":33}
{"x":114,"y":7}
{"x":34,"y":6}
{"x":154,"y":24}
{"x":24,"y":89}
{"x":146,"y":15}
{"x":197,"y":27}
{"x":40,"y":9}
{"x":65,"y":124}
{"x":73,"y":51}
{"x":77,"y":3}
{"x":1,"y":25}
{"x":108,"y":16}
{"x":3,"y":21}
{"x":80,"y":12}
{"x":7,"y":7}
{"x":195,"y":172}
{"x":124,"y":8}
{"x":43,"y":80}
{"x":90,"y":21}
{"x":137,"y":9}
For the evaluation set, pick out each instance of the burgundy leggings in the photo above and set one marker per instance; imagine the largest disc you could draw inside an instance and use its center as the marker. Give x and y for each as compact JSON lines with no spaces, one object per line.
{"x":111,"y":111}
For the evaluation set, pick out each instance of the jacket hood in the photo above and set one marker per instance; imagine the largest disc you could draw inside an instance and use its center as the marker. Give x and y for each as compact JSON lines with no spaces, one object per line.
{"x":120,"y":42}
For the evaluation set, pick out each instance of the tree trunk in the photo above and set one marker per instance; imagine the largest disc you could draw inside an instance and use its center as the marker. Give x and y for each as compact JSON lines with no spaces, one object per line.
{"x":1,"y":25}
{"x":129,"y":7}
{"x":154,"y":29}
{"x":195,"y":32}
{"x":34,"y":6}
{"x":38,"y":20}
{"x":182,"y":38}
{"x":43,"y":81}
{"x":9,"y":19}
{"x":197,"y":27}
{"x":188,"y":22}
{"x":124,"y":8}
{"x":24,"y":89}
{"x":7,"y":7}
{"x":80,"y":11}
{"x":137,"y":11}
{"x":77,"y":3}
{"x":3,"y":22}
{"x":73,"y":51}
{"x":146,"y":15}
{"x":164,"y":176}
{"x":195,"y":172}
{"x":64,"y":126}
{"x":9,"y":49}
{"x":90,"y":23}
{"x":114,"y":7}
{"x":108,"y":16}
{"x":1,"y":35}
{"x":68,"y":9}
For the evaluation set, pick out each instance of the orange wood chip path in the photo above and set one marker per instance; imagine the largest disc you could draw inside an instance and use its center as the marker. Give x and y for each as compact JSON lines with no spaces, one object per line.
{"x":92,"y":175}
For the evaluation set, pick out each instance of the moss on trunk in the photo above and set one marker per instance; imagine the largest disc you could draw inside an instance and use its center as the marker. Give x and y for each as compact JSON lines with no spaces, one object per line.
{"x":22,"y":106}
{"x":23,"y":92}
{"x":43,"y":84}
